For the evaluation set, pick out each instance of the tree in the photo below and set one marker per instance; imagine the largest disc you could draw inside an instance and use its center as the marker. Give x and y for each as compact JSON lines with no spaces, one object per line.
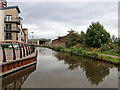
{"x":96,"y":35}
{"x":72,"y":38}
{"x":114,"y":39}
{"x":58,"y":37}
{"x":118,"y":42}
{"x":83,"y":38}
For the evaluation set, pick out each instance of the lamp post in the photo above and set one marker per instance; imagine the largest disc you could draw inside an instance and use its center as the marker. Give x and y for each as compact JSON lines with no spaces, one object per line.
{"x":32,"y":37}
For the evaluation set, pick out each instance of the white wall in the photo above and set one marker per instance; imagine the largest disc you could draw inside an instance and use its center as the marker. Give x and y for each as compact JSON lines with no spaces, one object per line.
{"x":1,"y":25}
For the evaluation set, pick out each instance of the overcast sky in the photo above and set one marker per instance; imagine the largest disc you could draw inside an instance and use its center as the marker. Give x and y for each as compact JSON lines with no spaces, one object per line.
{"x":52,"y":19}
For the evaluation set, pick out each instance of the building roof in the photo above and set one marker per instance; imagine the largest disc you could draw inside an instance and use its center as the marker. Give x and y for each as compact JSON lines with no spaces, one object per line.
{"x":63,"y":37}
{"x":11,"y":7}
{"x":24,"y":28}
{"x":42,"y":39}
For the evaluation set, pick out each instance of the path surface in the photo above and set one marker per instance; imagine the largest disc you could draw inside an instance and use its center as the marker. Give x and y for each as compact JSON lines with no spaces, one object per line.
{"x":111,"y":56}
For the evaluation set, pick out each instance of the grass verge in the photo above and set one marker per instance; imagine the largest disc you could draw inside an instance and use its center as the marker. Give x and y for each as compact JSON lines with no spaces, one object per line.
{"x":85,"y":53}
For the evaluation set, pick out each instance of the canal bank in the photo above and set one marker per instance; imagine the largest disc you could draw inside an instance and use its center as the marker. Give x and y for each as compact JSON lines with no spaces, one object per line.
{"x":61,"y":70}
{"x":94,"y":55}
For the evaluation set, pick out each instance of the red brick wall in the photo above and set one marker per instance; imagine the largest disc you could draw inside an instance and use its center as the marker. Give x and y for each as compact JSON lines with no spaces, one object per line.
{"x":59,"y":42}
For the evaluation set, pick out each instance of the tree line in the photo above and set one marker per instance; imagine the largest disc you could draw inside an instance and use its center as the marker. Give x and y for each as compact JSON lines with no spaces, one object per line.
{"x":95,"y":36}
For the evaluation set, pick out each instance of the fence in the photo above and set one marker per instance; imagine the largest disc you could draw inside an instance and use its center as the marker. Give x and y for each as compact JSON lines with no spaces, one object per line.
{"x":13,"y":53}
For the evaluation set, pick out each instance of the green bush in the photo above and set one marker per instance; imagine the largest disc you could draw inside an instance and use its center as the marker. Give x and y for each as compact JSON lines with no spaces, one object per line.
{"x":77,"y":46}
{"x":5,"y":45}
{"x":117,"y":51}
{"x":95,"y":54}
{"x":104,"y":48}
{"x":80,"y":51}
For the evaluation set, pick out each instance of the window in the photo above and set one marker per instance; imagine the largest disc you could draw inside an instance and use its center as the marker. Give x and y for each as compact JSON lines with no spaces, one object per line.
{"x":8,"y":36}
{"x":8,"y":17}
{"x":8,"y":27}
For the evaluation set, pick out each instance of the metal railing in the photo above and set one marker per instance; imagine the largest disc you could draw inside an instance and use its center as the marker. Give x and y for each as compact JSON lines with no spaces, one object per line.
{"x":14,"y":53}
{"x":12,"y":29}
{"x":13,"y":19}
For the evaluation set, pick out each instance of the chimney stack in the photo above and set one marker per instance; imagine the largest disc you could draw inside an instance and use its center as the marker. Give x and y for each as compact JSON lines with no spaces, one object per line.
{"x":3,"y":3}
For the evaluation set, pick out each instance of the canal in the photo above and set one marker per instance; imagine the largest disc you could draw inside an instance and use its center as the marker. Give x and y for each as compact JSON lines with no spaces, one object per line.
{"x":61,"y":70}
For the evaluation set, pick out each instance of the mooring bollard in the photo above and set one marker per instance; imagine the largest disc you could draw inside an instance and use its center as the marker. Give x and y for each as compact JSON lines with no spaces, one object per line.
{"x":4,"y":55}
{"x":20,"y":50}
{"x":14,"y":55}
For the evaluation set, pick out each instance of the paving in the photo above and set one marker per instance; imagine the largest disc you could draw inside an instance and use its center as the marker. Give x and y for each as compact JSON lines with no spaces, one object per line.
{"x":111,"y":56}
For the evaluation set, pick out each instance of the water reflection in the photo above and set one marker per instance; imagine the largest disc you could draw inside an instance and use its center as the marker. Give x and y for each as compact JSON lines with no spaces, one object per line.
{"x":15,"y":81}
{"x":95,"y":71}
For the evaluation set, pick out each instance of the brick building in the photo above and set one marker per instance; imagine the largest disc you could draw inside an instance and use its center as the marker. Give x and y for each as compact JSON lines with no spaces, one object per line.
{"x":59,"y":42}
{"x":43,"y":41}
{"x":11,"y":30}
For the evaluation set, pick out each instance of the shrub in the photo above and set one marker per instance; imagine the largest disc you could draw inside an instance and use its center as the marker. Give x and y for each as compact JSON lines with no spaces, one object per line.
{"x":84,"y":53}
{"x":80,"y":50}
{"x":77,"y":46}
{"x":104,"y":48}
{"x":95,"y":54}
{"x":5,"y":45}
{"x":117,"y":50}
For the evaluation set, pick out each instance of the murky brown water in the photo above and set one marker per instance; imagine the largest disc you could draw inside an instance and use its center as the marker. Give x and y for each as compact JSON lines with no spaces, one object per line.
{"x":60,"y":70}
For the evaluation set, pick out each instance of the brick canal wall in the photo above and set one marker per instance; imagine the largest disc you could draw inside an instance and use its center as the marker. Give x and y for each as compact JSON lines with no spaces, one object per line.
{"x":13,"y":59}
{"x":14,"y":65}
{"x":9,"y":55}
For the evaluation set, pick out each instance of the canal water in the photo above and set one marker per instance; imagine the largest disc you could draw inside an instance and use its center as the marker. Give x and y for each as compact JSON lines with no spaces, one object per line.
{"x":61,"y":70}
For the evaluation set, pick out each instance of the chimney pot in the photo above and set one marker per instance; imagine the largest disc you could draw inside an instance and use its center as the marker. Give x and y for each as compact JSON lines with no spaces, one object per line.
{"x":3,"y":3}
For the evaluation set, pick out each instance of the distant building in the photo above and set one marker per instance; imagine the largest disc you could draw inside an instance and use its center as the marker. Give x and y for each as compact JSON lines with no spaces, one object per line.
{"x":40,"y":41}
{"x":25,"y":31}
{"x":11,"y":30}
{"x":59,"y":42}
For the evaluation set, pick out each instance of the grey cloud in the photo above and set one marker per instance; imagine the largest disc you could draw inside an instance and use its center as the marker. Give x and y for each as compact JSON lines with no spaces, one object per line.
{"x":59,"y":17}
